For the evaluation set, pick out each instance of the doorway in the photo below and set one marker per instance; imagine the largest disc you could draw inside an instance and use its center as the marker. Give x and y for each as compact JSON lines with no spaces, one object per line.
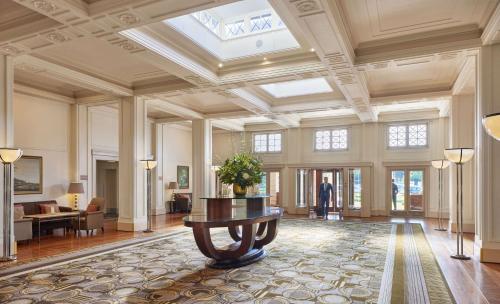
{"x":407,"y":191}
{"x":270,"y":184}
{"x":107,"y":186}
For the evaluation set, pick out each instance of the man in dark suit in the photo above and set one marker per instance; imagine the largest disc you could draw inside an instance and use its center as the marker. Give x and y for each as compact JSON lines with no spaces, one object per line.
{"x":325,"y":189}
{"x":395,"y":191}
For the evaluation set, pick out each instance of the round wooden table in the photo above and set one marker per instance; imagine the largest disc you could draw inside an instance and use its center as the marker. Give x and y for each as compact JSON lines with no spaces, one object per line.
{"x":251,"y":224}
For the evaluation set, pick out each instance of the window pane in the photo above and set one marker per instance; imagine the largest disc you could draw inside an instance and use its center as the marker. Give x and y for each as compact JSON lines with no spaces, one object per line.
{"x":274,"y":142}
{"x":339,"y":139}
{"x":235,"y":28}
{"x":260,"y":143}
{"x":417,"y":135}
{"x":323,"y":140}
{"x":397,"y":136}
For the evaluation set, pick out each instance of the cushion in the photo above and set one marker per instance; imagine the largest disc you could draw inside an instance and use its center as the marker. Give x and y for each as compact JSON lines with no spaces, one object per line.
{"x":18,"y":212}
{"x":48,"y":208}
{"x":182,"y":196}
{"x":92,"y":208}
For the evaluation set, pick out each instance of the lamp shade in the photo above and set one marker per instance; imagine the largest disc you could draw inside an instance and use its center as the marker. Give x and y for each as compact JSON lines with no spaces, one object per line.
{"x":76,"y":188}
{"x":149,"y":163}
{"x":440,"y":163}
{"x":491,"y":124}
{"x":10,"y":155}
{"x":459,"y":155}
{"x":173,"y":186}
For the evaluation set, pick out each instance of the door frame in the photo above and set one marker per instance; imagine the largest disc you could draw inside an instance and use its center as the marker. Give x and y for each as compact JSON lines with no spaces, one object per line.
{"x":388,"y":189}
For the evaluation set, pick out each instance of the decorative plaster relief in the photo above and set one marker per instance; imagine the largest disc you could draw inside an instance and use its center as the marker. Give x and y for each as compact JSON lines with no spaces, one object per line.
{"x":307,"y":6}
{"x":10,"y":50}
{"x":44,"y":5}
{"x":129,"y":19}
{"x":57,"y":37}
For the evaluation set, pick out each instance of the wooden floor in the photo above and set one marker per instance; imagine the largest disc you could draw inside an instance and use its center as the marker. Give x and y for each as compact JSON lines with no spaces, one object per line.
{"x":470,"y":281}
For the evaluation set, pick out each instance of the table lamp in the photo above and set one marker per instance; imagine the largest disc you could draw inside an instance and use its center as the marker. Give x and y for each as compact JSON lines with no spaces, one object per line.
{"x":459,"y":156}
{"x":8,"y":156}
{"x":76,"y":188}
{"x":173,"y":186}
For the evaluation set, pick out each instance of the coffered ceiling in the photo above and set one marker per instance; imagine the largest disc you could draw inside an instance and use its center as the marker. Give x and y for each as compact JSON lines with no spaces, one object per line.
{"x":354,"y":58}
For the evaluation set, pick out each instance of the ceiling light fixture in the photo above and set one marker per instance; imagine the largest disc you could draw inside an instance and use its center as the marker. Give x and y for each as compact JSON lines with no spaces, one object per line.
{"x":265,"y":58}
{"x":220,"y":65}
{"x":312,"y":50}
{"x":491,"y":124}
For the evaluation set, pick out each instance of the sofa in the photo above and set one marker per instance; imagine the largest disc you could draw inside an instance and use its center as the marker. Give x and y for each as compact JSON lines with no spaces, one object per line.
{"x":30,"y":208}
{"x":182,"y":202}
{"x":92,"y":218}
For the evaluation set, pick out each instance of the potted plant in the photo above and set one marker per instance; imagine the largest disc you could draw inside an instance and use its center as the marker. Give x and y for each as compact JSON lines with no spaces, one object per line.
{"x":242,"y":170}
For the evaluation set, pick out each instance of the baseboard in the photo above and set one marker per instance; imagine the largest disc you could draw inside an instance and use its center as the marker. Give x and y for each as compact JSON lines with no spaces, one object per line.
{"x":128,"y":225}
{"x":468,"y":228}
{"x":159,"y":211}
{"x":378,"y":213}
{"x":487,"y":255}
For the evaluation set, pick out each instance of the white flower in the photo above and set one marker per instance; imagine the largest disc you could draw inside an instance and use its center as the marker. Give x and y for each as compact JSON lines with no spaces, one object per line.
{"x":246,"y":175}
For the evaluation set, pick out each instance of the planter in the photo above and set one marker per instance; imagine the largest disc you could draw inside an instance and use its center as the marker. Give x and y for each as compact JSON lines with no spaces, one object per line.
{"x":239,"y":190}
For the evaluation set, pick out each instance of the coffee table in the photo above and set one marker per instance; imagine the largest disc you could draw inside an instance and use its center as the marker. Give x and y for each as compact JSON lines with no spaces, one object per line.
{"x":250,"y":223}
{"x":52,"y":217}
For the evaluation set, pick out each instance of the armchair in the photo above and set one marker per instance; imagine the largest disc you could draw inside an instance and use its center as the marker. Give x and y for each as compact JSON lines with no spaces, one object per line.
{"x":92,"y":218}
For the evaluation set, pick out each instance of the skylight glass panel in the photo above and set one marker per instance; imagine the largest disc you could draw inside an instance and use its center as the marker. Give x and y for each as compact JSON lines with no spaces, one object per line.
{"x":297,"y":87}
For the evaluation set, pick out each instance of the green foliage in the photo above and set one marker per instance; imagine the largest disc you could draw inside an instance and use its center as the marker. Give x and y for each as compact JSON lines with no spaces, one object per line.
{"x":243,"y":169}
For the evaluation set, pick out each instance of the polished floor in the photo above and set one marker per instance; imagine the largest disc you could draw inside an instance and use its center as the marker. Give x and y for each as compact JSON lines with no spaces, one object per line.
{"x":469,"y":281}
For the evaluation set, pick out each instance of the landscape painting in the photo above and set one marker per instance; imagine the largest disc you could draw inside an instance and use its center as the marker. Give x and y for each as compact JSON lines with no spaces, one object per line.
{"x":28,"y":175}
{"x":183,"y":177}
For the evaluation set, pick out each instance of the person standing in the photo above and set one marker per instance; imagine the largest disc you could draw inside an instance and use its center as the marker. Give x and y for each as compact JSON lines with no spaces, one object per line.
{"x":395,"y":192}
{"x":325,"y":189}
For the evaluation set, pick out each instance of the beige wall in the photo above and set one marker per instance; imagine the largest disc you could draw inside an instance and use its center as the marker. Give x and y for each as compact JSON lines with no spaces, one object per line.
{"x":367,"y":147}
{"x":43,"y":128}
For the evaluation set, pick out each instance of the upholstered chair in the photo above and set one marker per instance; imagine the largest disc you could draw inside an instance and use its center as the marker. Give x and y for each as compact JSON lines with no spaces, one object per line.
{"x":23,"y":230}
{"x":92,"y":218}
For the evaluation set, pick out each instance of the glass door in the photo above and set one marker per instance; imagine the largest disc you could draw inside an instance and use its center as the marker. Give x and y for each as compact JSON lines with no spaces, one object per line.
{"x":406,"y":191}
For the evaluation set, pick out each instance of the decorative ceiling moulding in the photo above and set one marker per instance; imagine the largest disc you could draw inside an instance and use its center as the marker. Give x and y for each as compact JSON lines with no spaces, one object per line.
{"x":307,"y":7}
{"x":10,"y":50}
{"x":44,"y":5}
{"x":129,"y":19}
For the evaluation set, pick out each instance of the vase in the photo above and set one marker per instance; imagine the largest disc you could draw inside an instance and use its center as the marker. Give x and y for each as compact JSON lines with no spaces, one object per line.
{"x":239,"y":190}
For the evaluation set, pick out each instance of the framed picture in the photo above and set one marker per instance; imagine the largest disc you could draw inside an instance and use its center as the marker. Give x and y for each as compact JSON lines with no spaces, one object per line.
{"x":183,"y":177}
{"x":28,"y":175}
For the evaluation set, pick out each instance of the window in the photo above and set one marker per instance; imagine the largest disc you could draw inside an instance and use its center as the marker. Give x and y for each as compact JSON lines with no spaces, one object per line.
{"x":407,"y":135}
{"x":267,"y":142}
{"x":331,"y":140}
{"x":235,"y":29}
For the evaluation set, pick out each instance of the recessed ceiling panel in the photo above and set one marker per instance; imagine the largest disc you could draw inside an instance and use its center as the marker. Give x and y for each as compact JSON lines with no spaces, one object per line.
{"x":297,"y":87}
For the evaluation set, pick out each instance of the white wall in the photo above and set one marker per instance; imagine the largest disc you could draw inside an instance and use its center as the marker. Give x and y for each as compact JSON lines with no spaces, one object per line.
{"x":43,"y":128}
{"x":173,"y":148}
{"x":367,"y":147}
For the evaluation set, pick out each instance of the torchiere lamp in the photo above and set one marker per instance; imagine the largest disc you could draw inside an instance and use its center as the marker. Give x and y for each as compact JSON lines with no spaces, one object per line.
{"x":459,"y":156}
{"x":148,"y":164}
{"x":491,"y":124}
{"x":76,"y":188}
{"x":440,"y":164}
{"x":8,"y":156}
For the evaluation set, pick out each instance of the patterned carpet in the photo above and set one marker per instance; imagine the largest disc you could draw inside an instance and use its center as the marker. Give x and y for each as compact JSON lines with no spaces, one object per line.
{"x":309,"y":262}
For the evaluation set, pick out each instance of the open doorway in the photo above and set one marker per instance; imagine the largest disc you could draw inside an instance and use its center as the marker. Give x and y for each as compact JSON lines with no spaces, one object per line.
{"x":107,"y":186}
{"x":271,"y":185}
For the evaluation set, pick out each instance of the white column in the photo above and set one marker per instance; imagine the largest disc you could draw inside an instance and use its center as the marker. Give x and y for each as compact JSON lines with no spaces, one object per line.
{"x":202,"y":161}
{"x":487,"y":157}
{"x":461,"y":134}
{"x":131,"y":180}
{"x":6,"y":121}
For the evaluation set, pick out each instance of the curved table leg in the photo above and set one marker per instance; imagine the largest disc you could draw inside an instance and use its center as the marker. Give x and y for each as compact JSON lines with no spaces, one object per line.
{"x":271,"y":232}
{"x":235,"y":233}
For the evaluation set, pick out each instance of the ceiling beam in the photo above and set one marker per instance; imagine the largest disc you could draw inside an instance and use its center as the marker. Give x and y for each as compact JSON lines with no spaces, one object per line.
{"x":412,"y":97}
{"x":67,"y":75}
{"x":466,"y":74}
{"x":174,"y":109}
{"x":491,"y":32}
{"x":228,"y":125}
{"x":35,"y":92}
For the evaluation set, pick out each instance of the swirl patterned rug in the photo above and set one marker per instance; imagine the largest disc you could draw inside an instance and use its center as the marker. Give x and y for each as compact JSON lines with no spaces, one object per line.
{"x":309,"y":262}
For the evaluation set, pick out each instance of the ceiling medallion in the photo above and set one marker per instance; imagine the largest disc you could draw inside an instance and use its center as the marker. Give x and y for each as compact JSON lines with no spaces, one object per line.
{"x":129,"y":19}
{"x":44,"y":5}
{"x":127,"y":46}
{"x":57,"y":37}
{"x":307,"y":6}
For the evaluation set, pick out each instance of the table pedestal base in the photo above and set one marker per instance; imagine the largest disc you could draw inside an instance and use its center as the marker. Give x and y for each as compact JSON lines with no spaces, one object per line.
{"x":253,"y":256}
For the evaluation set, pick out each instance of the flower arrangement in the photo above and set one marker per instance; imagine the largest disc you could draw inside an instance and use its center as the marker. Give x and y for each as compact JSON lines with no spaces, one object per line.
{"x":242,"y":170}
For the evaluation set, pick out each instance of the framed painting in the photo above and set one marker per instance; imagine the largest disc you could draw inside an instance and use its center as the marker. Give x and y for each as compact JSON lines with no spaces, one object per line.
{"x":28,"y":175}
{"x":183,"y":177}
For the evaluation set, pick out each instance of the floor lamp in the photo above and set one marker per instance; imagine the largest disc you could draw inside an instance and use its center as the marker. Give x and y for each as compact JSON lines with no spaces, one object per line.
{"x":440,"y":164}
{"x":491,"y":124}
{"x":148,"y":164}
{"x":8,"y":156}
{"x":459,"y":156}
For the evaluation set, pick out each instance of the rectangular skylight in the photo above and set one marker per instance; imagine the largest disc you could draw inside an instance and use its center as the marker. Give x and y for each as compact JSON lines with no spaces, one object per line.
{"x":297,"y":87}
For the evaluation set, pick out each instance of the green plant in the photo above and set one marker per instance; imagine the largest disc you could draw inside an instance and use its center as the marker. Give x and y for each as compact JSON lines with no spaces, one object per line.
{"x":243,"y":169}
